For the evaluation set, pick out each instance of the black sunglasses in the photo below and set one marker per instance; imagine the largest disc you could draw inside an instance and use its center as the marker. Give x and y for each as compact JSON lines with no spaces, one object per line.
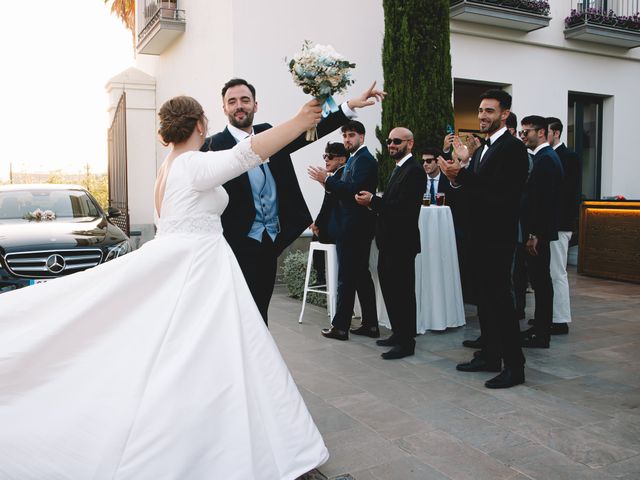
{"x":525,"y":131}
{"x":395,"y":141}
{"x":429,"y":160}
{"x":331,"y":156}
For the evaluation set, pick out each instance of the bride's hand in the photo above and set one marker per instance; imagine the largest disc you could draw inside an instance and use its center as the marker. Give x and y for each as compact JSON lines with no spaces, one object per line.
{"x":309,"y":115}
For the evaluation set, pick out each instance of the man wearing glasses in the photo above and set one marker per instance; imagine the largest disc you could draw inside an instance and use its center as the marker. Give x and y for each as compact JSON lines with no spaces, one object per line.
{"x":398,"y":240}
{"x":539,"y":220}
{"x":335,"y":156}
{"x":352,"y":226}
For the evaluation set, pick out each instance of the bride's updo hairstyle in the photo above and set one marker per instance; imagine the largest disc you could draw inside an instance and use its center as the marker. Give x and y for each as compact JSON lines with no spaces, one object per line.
{"x":178,"y":119}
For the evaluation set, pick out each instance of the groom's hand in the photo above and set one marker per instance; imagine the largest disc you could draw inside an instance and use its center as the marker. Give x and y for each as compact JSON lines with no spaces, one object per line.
{"x":366,"y":98}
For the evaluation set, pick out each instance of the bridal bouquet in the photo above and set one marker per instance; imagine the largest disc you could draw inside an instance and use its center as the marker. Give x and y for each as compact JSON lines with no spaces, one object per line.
{"x":321,"y":72}
{"x":39,"y":215}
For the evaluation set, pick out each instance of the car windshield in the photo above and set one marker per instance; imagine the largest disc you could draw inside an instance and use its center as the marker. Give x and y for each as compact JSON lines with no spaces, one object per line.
{"x":63,"y":203}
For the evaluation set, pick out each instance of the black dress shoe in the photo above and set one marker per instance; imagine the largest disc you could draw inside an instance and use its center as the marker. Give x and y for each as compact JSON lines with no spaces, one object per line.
{"x":533,"y":340}
{"x":478,"y":364}
{"x":477,"y":343}
{"x":559,"y":328}
{"x":373,"y":332}
{"x":507,"y":378}
{"x":386,"y":342}
{"x":397,"y":352}
{"x":335,"y":333}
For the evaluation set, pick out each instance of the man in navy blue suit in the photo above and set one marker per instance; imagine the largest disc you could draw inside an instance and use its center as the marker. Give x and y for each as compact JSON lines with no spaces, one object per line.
{"x":352,"y":226}
{"x":539,"y":221}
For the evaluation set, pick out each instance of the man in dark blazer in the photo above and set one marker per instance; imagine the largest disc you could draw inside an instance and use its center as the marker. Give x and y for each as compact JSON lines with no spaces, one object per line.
{"x":335,"y":157}
{"x":398,"y":240}
{"x":493,"y":183}
{"x":266,"y":210}
{"x":539,"y":220}
{"x":567,"y":224}
{"x":352,"y":225}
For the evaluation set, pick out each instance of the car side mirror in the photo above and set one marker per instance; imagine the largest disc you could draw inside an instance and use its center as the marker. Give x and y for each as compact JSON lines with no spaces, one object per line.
{"x":113,"y":212}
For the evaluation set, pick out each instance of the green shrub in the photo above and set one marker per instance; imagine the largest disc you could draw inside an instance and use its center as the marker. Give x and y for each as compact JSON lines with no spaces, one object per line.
{"x":294,"y":269}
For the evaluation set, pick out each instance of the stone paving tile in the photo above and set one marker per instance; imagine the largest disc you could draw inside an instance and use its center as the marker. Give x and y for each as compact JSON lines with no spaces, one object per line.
{"x":454,"y":458}
{"x":403,"y":469}
{"x":576,"y":417}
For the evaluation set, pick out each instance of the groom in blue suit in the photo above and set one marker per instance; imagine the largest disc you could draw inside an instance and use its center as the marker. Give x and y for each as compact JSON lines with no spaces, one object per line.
{"x":353,"y":227}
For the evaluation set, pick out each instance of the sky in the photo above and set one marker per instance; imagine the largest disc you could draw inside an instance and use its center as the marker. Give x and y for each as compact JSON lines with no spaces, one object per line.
{"x":57,"y":58}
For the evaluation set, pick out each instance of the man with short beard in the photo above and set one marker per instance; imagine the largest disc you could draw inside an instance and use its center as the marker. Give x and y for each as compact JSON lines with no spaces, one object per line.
{"x":398,"y":240}
{"x":352,"y":225}
{"x":266,"y":210}
{"x":493,"y":184}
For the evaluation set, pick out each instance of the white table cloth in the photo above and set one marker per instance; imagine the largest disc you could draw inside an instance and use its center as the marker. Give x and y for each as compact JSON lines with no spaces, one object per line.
{"x":438,"y":290}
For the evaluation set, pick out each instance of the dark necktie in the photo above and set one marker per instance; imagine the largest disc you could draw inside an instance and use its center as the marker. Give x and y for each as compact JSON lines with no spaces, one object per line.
{"x":432,"y":192}
{"x":395,"y":170}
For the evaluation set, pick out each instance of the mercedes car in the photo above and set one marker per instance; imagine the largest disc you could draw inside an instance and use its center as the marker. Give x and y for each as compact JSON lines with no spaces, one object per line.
{"x":48,"y":231}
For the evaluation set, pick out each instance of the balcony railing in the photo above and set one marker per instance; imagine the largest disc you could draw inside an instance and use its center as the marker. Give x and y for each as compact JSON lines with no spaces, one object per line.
{"x":523,"y":15}
{"x":609,"y":22}
{"x":163,"y":23}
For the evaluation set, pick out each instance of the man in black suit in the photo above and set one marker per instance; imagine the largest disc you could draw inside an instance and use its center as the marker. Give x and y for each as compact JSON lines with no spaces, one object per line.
{"x":335,"y":157}
{"x":539,"y":220}
{"x":352,"y":226}
{"x":567,"y":224}
{"x":493,"y":182}
{"x":398,"y":240}
{"x":436,"y":181}
{"x":266,"y":210}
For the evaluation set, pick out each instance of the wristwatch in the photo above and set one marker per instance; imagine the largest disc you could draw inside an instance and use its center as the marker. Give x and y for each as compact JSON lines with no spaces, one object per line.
{"x":532,"y":237}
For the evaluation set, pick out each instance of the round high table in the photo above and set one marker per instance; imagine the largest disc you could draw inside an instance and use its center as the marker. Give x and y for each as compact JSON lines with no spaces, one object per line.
{"x":439,"y":302}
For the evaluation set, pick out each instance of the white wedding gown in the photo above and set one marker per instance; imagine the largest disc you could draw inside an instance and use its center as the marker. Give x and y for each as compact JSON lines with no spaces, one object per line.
{"x":156,"y":365}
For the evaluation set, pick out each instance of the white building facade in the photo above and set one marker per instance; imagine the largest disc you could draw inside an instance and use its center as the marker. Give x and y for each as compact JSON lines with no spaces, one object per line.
{"x":587,"y":79}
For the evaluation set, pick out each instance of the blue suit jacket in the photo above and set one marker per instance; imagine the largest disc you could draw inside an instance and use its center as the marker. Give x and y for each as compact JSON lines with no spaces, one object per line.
{"x":347,"y":218}
{"x":541,"y":196}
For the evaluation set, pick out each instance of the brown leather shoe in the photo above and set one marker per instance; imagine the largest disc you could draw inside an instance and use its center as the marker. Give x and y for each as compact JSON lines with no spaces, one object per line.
{"x":335,"y":333}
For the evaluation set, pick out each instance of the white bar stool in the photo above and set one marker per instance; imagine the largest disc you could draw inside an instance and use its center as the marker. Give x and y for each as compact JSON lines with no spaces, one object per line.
{"x":331,"y":288}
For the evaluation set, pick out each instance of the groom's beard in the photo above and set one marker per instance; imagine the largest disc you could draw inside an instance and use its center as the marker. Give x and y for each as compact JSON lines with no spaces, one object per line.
{"x":244,"y":121}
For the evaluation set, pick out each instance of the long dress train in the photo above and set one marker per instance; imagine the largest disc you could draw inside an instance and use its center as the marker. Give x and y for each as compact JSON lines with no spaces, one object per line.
{"x":155,"y":365}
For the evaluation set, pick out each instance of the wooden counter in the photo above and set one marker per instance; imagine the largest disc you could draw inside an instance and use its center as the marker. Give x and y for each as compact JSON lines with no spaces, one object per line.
{"x":609,"y":244}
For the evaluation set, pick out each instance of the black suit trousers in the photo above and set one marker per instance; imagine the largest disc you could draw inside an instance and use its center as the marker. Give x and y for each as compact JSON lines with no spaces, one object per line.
{"x":258,"y":262}
{"x":397,"y":273}
{"x":538,"y":267}
{"x":354,"y":276}
{"x":520,"y":280}
{"x":498,"y":326}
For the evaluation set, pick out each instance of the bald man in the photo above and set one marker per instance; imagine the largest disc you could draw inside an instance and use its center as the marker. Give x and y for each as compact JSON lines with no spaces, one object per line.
{"x":398,"y":240}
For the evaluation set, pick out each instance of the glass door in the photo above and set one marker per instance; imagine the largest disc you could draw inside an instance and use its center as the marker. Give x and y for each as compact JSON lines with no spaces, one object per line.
{"x":584,"y":135}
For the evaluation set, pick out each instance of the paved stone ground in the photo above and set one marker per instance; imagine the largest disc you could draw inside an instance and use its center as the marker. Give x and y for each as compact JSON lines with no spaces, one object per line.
{"x":577,"y":416}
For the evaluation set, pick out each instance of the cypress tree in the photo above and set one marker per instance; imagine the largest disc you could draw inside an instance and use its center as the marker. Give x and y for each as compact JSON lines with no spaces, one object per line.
{"x":416,"y":62}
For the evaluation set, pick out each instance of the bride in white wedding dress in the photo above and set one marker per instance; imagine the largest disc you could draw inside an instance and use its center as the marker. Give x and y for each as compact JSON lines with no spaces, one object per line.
{"x":157,"y":365}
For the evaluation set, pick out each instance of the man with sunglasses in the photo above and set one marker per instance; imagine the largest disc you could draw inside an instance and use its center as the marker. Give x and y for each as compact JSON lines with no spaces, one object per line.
{"x":352,"y":225}
{"x":436,"y":182}
{"x":398,"y":240}
{"x":493,"y":184}
{"x":539,"y":220}
{"x":335,"y":157}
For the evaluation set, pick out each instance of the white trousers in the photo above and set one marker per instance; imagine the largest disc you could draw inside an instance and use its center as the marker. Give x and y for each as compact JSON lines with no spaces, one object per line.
{"x":561,"y":302}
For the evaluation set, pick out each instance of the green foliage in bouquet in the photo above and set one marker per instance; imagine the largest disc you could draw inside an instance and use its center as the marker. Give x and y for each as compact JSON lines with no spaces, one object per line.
{"x":294,"y":269}
{"x":416,"y":61}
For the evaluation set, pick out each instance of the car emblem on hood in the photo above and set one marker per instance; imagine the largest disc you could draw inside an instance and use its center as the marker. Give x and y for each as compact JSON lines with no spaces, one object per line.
{"x":55,"y":263}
